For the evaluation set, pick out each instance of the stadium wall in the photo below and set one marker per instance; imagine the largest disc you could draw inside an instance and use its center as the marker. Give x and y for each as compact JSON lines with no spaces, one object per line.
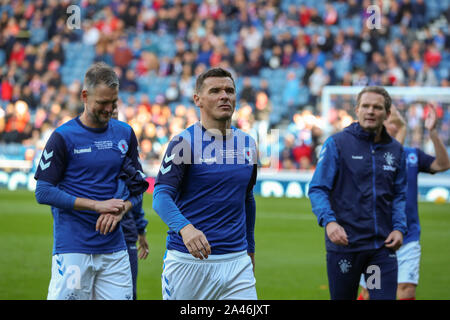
{"x":270,"y":183}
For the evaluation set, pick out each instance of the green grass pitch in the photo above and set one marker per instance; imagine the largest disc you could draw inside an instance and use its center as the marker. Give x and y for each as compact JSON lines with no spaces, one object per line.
{"x":290,"y":255}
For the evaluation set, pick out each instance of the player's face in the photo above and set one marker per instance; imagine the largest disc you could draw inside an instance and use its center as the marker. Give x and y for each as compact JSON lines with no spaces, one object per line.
{"x":371,"y":112}
{"x":100,"y":104}
{"x":217,"y":98}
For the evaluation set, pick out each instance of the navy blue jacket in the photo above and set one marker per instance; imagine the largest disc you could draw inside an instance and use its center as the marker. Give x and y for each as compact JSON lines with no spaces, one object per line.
{"x":362,"y":186}
{"x":131,"y":181}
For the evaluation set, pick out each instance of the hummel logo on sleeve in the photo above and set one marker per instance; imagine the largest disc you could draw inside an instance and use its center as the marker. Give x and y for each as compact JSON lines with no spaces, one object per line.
{"x":322,"y":152}
{"x":165,"y":170}
{"x":166,"y":160}
{"x":46,"y":156}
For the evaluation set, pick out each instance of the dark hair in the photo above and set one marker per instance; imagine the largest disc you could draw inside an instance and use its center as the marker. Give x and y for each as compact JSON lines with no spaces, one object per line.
{"x":214,"y":72}
{"x":379,"y":90}
{"x":100,"y":73}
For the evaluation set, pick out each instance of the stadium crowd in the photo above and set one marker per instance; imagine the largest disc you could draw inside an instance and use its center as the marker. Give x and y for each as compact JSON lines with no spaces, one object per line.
{"x":281,"y":52}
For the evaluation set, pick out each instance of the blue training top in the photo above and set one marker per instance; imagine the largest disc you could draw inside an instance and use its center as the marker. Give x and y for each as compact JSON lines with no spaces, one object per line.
{"x":212,"y":176}
{"x":361,"y":185}
{"x":416,"y":161}
{"x":131,"y":181}
{"x":85,"y":162}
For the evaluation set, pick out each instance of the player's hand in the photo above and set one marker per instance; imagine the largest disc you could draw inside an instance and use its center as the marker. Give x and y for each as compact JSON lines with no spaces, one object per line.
{"x":142,"y":247}
{"x":127,"y":206}
{"x":107,"y":222}
{"x":195,"y":241}
{"x":252,"y":257}
{"x":336,"y":234}
{"x":431,"y":120}
{"x":394,"y":241}
{"x":110,"y":206}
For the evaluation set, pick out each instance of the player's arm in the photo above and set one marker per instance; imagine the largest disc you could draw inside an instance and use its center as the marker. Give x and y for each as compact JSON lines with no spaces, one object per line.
{"x":167,"y":183}
{"x":441,"y":161}
{"x":131,"y":186}
{"x":164,"y":205}
{"x":140,"y":185}
{"x":399,"y":122}
{"x":47,"y":193}
{"x":141,"y":224}
{"x":395,"y":238}
{"x":51,"y":170}
{"x":319,"y":192}
{"x":250,"y":214}
{"x":139,"y":218}
{"x":107,"y":221}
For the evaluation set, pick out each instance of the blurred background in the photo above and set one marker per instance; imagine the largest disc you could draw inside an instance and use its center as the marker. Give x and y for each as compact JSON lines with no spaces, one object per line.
{"x":282,"y":53}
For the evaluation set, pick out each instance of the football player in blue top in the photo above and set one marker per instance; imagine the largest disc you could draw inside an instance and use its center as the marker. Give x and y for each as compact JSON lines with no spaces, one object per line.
{"x":133,"y":223}
{"x":204,"y":193}
{"x":408,"y":256}
{"x":358,"y":195}
{"x":77,"y":177}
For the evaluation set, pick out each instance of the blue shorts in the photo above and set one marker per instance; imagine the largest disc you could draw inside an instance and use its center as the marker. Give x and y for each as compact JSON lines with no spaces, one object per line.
{"x":408,"y":258}
{"x":379,"y":267}
{"x":133,"y":256}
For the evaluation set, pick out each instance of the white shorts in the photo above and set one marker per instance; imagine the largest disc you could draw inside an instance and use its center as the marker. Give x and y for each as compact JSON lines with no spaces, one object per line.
{"x":79,"y":276}
{"x":408,"y":258}
{"x":220,"y":277}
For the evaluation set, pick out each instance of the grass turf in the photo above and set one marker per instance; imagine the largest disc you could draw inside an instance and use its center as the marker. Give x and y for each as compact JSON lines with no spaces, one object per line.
{"x":290,"y":255}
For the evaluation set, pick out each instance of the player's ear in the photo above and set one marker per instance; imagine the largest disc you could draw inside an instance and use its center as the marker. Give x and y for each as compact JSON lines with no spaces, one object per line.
{"x":84,"y":95}
{"x":388,"y":114}
{"x":197,"y":100}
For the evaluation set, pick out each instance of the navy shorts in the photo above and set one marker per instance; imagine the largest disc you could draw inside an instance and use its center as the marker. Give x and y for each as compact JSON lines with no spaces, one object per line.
{"x":133,"y":255}
{"x":379,"y":267}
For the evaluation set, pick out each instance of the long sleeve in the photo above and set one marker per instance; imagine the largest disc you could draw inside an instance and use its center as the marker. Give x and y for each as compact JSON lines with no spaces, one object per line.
{"x":139,"y":218}
{"x":399,"y":201}
{"x":124,"y":193}
{"x":250,"y":211}
{"x":47,"y":193}
{"x":322,"y":183}
{"x":166,"y":208}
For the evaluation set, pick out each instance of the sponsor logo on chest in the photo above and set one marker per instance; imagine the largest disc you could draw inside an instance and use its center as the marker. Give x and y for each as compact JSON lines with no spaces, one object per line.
{"x":102,"y":145}
{"x":82,"y":150}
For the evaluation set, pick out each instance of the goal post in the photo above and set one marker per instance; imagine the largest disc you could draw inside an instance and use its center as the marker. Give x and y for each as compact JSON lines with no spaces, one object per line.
{"x":410,"y":95}
{"x":337,"y":106}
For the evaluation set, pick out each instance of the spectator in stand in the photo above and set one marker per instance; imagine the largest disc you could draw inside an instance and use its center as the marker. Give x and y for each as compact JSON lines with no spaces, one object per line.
{"x":263,"y":108}
{"x":331,"y":15}
{"x":426,"y":76}
{"x":55,"y":53}
{"x":128,"y":83}
{"x":287,"y":160}
{"x":301,"y":151}
{"x":317,"y":81}
{"x":122,"y":54}
{"x":432,"y":56}
{"x":291,"y":90}
{"x":248,"y":92}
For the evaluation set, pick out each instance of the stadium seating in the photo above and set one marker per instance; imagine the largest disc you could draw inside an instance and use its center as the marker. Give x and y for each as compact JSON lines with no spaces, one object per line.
{"x":79,"y":56}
